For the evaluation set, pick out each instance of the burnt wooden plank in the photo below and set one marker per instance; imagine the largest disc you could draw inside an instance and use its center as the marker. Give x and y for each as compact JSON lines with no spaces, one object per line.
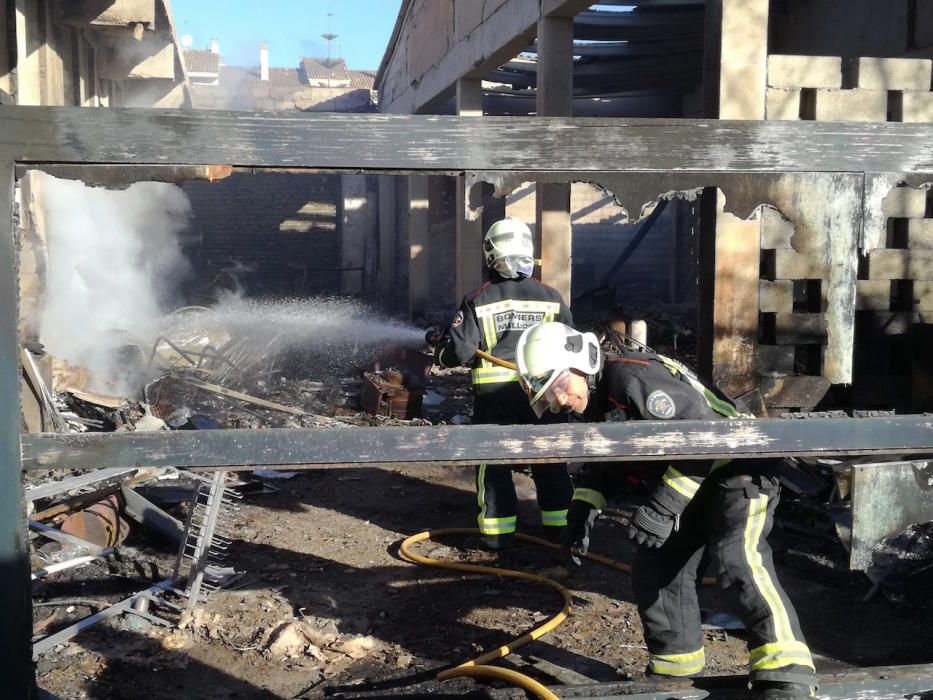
{"x":467,"y":445}
{"x":422,"y":142}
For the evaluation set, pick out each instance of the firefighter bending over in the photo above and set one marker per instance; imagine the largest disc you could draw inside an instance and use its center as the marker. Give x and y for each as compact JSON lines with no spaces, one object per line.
{"x":698,"y":512}
{"x":491,"y":319}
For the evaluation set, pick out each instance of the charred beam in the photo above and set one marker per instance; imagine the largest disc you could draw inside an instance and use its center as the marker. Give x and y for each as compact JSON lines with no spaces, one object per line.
{"x":417,"y":142}
{"x":467,"y":445}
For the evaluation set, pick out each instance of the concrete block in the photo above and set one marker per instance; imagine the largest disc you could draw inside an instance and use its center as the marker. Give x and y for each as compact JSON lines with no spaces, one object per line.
{"x":872,"y":295}
{"x":905,"y":203}
{"x":892,"y":322}
{"x":920,"y":234}
{"x":782,"y":104}
{"x":785,"y":71}
{"x":737,"y":100}
{"x":791,"y":265}
{"x":793,"y":392}
{"x":917,"y":107}
{"x":800,"y":328}
{"x":893,"y":73}
{"x":776,"y":296}
{"x":776,"y":231}
{"x":923,"y":296}
{"x":900,"y":265}
{"x":775,"y":359}
{"x":858,"y":105}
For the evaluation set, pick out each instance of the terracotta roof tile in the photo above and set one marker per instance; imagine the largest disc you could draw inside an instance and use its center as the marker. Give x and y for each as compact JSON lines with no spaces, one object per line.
{"x":232,"y":77}
{"x":319,"y":69}
{"x":201,"y":61}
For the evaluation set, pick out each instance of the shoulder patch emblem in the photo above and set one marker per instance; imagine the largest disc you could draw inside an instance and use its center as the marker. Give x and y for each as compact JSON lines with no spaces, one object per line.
{"x":660,"y":405}
{"x":458,"y":319}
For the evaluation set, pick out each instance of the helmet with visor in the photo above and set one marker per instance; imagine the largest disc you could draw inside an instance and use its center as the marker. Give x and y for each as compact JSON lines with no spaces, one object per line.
{"x":548,"y":356}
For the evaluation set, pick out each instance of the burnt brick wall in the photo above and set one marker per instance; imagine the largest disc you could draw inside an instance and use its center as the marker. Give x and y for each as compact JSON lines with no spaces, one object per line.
{"x":281,"y":225}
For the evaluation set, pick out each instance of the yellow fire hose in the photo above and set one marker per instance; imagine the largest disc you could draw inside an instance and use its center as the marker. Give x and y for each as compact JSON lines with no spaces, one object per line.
{"x":495,"y":360}
{"x":478,"y":667}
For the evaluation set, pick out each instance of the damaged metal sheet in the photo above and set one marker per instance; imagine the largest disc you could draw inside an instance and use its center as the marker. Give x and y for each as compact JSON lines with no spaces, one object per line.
{"x":826,"y":209}
{"x":453,"y":445}
{"x":886,"y":499}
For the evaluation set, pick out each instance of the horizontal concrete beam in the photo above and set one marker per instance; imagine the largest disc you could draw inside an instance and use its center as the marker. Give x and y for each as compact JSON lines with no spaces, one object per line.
{"x":441,"y":143}
{"x":469,"y":445}
{"x":508,"y":29}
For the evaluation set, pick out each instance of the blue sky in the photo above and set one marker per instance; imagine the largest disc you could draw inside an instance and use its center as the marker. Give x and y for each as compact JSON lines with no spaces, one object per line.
{"x":292,"y":29}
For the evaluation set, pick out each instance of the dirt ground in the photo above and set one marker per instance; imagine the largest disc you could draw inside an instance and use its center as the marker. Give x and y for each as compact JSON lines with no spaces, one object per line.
{"x":323,"y":552}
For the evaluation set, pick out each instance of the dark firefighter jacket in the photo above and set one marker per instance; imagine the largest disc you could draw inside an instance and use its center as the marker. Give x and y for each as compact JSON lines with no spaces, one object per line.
{"x":648,"y":386}
{"x":492,"y":319}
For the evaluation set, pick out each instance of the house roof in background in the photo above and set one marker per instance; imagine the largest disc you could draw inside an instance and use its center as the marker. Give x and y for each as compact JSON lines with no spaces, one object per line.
{"x":198,"y":61}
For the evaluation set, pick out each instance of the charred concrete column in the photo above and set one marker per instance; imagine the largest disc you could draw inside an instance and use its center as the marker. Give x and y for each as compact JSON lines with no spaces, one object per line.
{"x":28,"y":77}
{"x":357,"y":236}
{"x":15,"y":587}
{"x":386,"y":272}
{"x":419,"y":292}
{"x":442,"y":254}
{"x":6,"y":34}
{"x":736,"y":88}
{"x":469,"y":231}
{"x":555,"y":99}
{"x":743,"y":80}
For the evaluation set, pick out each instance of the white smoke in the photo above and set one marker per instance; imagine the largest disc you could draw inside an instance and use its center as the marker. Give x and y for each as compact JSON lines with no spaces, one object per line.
{"x":114,"y":267}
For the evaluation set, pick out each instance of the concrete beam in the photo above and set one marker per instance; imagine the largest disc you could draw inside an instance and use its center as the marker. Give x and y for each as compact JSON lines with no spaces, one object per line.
{"x":469,"y":231}
{"x":555,"y":99}
{"x":744,"y":59}
{"x":419,"y":269}
{"x":151,"y":57}
{"x":507,"y":28}
{"x":386,"y":274}
{"x":119,"y":13}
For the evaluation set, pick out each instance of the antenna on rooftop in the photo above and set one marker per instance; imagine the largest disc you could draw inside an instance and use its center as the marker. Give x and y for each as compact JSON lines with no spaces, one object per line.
{"x":329,"y":37}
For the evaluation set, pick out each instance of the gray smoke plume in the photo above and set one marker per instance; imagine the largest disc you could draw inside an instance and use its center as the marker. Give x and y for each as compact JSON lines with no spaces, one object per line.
{"x":114,"y":265}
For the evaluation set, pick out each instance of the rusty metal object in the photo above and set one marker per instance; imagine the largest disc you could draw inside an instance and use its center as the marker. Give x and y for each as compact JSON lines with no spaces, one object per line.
{"x":100,"y":523}
{"x":410,"y":362}
{"x":385,"y":394}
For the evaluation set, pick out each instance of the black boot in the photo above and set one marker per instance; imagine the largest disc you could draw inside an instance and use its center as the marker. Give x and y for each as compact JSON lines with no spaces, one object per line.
{"x":772,"y":690}
{"x":498,"y":542}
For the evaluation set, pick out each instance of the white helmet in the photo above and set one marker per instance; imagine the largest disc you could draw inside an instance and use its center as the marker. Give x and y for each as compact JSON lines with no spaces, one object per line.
{"x":545,"y":350}
{"x":508,"y":248}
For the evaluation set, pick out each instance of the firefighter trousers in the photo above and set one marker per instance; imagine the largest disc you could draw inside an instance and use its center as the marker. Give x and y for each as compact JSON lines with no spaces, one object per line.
{"x":495,"y":490}
{"x":725,"y":524}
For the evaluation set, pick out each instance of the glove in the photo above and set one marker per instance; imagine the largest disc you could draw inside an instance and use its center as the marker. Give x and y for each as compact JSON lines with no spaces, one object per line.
{"x":433,"y":336}
{"x":651,"y":525}
{"x":575,"y":540}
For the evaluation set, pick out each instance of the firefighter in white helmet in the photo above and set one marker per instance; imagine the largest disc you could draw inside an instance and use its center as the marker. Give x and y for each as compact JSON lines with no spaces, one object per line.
{"x":698,"y":511}
{"x":492,"y":318}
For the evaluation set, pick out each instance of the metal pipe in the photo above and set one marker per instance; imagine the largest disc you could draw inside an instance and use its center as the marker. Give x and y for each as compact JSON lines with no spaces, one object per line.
{"x":70,"y":564}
